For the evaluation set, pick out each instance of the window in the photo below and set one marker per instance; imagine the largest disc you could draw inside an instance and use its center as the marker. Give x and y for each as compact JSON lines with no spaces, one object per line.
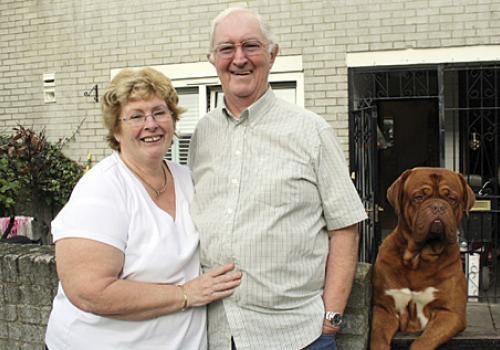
{"x":189,"y":99}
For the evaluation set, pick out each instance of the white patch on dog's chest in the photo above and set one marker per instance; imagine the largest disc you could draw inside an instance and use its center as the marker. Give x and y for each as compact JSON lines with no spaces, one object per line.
{"x":402,"y":298}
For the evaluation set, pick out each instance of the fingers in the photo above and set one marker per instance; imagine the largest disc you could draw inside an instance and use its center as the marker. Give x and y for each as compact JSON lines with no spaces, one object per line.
{"x":216,"y":284}
{"x":227,"y":282}
{"x":222,"y":290}
{"x":227,"y":277}
{"x":220,"y":270}
{"x":224,"y":276}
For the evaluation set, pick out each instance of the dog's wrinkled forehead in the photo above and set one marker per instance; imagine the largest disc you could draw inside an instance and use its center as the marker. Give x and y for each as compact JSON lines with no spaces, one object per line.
{"x":432,"y":180}
{"x":429,"y":183}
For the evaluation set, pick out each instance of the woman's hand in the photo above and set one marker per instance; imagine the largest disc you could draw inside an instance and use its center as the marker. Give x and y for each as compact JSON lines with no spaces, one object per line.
{"x":216,"y":284}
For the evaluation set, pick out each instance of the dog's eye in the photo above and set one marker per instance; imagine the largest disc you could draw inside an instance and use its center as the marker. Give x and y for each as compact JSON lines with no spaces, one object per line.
{"x":418,"y":198}
{"x":452,"y":200}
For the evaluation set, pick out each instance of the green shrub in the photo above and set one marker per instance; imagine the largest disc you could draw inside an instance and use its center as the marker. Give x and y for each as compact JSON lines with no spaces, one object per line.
{"x":36,"y":178}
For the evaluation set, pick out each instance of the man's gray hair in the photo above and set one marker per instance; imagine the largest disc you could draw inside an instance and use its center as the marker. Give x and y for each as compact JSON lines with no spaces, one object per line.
{"x":264,"y":27}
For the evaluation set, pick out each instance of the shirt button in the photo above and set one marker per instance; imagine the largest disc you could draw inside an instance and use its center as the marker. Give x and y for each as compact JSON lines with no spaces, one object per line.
{"x":234,"y":181}
{"x":237,"y":152}
{"x":229,"y":210}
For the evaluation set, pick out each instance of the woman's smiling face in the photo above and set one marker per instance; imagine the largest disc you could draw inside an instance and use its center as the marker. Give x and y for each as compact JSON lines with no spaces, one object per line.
{"x":149,"y":140}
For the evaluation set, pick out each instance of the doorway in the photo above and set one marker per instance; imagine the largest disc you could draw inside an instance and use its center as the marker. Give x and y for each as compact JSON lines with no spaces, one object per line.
{"x":407,"y":137}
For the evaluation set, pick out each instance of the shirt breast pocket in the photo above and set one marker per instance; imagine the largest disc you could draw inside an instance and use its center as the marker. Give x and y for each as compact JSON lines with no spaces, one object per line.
{"x":280,"y":182}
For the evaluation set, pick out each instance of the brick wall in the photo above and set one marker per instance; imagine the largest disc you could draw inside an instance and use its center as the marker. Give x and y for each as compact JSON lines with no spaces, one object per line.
{"x":28,"y":283}
{"x":82,"y":41}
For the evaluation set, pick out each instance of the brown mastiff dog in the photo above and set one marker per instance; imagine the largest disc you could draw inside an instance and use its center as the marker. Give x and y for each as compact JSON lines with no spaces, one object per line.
{"x":418,"y":281}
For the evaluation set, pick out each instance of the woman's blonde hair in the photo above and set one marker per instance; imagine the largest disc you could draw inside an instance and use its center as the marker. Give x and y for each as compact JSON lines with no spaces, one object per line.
{"x":135,"y":85}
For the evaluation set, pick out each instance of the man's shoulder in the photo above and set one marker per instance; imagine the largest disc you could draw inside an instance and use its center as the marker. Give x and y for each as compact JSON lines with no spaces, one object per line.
{"x":212,"y":117}
{"x":305,"y":117}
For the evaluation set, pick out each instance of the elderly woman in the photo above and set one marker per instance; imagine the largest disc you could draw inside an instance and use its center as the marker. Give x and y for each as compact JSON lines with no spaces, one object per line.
{"x":126,"y":248}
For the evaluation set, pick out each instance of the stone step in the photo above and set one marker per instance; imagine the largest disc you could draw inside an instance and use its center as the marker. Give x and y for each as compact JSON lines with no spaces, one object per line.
{"x":467,"y":340}
{"x":482,"y":332}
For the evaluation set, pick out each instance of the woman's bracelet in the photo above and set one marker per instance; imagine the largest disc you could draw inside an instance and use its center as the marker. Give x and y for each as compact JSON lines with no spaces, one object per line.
{"x":185,"y":296}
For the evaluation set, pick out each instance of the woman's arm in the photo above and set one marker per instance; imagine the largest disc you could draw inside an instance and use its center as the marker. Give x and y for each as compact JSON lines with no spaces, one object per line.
{"x":89,"y":273}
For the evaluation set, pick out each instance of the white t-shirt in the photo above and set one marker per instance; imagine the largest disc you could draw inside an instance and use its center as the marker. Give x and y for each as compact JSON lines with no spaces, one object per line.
{"x":110,"y":205}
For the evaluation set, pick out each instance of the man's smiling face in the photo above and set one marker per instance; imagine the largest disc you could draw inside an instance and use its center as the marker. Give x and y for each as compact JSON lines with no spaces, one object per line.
{"x":244,"y":78}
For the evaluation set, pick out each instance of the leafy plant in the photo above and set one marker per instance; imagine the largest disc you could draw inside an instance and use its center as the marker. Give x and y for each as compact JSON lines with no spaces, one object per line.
{"x":12,"y":181}
{"x":35,"y":175}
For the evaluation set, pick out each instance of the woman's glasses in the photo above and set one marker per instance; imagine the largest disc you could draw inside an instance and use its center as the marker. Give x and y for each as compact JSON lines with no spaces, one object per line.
{"x":139,"y":118}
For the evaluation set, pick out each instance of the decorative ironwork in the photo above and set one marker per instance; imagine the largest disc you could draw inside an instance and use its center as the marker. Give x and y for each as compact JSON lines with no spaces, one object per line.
{"x":393,"y":84}
{"x":479,"y":113}
{"x":364,"y":122}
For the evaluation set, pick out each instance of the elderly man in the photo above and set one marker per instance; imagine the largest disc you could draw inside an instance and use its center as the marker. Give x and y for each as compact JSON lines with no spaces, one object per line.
{"x":274,"y":196}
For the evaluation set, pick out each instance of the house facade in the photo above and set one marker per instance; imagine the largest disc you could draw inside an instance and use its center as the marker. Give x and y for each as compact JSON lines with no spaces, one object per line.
{"x":404,"y":83}
{"x":54,"y":53}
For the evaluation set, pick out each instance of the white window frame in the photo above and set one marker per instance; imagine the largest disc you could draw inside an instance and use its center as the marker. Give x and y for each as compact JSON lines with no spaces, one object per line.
{"x":475,"y":53}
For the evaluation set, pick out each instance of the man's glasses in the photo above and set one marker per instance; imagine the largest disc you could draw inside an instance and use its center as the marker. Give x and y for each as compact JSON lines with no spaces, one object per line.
{"x":139,"y":118}
{"x":249,"y":48}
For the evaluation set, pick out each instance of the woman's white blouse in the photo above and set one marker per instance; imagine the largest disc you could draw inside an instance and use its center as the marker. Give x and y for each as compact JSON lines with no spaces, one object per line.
{"x":110,"y":205}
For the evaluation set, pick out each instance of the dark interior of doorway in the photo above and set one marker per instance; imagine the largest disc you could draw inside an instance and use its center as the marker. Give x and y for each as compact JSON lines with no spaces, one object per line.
{"x":408,"y":137}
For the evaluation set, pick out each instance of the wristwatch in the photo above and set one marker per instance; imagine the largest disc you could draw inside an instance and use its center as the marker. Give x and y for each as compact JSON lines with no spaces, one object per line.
{"x":336,"y":319}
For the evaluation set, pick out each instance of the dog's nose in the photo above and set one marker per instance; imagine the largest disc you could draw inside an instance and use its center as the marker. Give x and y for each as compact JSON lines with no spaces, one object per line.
{"x":438,"y":208}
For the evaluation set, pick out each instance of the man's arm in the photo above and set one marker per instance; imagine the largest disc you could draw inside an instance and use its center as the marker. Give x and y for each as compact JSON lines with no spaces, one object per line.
{"x":340,"y":270}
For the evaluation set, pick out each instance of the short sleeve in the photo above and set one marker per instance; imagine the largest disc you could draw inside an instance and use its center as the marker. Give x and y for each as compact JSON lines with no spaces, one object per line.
{"x":342,"y":206}
{"x":94,"y":211}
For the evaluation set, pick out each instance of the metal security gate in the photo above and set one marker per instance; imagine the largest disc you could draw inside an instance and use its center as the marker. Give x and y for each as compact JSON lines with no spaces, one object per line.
{"x":455,"y":112}
{"x":472,"y":107}
{"x":364,"y":126}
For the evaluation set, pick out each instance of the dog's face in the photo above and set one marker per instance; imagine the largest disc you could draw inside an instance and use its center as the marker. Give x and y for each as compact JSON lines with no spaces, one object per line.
{"x":430,"y":202}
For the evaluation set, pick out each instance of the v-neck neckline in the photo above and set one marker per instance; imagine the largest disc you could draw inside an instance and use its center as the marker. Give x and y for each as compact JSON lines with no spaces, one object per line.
{"x":148,"y":195}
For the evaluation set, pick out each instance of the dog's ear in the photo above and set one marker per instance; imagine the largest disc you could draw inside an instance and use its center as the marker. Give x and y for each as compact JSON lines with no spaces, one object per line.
{"x":469,"y":195}
{"x":395,"y":191}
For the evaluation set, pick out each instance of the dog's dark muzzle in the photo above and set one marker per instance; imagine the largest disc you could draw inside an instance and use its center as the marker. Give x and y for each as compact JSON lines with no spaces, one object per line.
{"x":436,"y":231}
{"x":437,"y":228}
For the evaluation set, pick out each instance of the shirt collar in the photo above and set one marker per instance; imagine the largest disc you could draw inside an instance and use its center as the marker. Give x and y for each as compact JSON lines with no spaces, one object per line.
{"x":255,"y":111}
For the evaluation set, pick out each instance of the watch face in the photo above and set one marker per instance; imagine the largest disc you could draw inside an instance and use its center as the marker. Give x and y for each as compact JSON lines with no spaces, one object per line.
{"x":335,"y":318}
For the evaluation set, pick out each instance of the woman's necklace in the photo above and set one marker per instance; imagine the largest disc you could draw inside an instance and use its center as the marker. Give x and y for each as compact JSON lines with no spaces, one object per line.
{"x":156,"y":191}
